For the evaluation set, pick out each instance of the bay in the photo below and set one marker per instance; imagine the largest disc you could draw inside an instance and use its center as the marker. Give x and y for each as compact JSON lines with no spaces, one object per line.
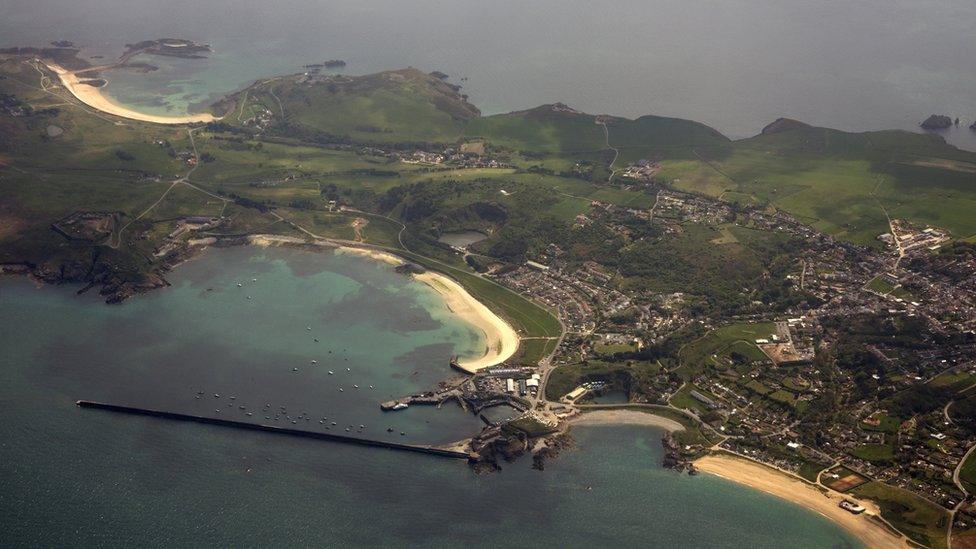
{"x":75,"y":477}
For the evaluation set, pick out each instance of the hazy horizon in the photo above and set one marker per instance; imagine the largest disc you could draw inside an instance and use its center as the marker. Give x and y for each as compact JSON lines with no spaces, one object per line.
{"x":733,"y":65}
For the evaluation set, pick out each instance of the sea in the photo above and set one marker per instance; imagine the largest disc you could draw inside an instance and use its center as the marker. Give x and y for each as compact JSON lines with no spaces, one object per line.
{"x":245,"y":324}
{"x":736,"y":65}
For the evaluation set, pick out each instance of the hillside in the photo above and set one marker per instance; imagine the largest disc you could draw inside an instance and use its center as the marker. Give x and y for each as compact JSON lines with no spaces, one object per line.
{"x":393,"y":106}
{"x":558,"y":128}
{"x":288,"y":146}
{"x":840,"y":182}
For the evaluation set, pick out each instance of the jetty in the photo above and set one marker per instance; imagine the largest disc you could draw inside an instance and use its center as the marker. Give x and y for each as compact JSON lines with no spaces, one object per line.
{"x":420,"y":449}
{"x":428,"y":399}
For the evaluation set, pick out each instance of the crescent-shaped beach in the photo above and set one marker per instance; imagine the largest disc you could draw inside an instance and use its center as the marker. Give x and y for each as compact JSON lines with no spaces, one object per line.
{"x":501,"y":340}
{"x":94,"y":98}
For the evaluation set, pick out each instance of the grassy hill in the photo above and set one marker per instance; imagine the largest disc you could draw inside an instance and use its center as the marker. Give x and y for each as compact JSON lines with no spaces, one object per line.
{"x":392,"y":106}
{"x":557,"y":128}
{"x":840,"y":182}
{"x":548,"y":128}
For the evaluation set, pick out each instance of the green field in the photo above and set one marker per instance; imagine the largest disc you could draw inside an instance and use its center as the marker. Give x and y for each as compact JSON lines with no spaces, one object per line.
{"x":721,"y":342}
{"x":921,"y":520}
{"x":840,"y":182}
{"x":875,"y":453}
{"x":880,"y":285}
{"x":967,"y":473}
{"x":682,"y":399}
{"x":621,"y":375}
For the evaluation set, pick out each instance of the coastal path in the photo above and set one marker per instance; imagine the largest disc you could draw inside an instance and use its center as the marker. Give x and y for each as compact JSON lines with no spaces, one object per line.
{"x":616,"y":152}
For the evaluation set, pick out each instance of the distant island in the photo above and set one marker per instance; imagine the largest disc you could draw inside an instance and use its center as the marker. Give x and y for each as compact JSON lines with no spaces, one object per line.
{"x":171,"y":47}
{"x":937,"y":122}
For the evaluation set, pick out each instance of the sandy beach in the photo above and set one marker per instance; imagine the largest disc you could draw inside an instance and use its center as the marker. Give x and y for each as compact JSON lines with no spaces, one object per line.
{"x":500,"y":338}
{"x":784,"y":486}
{"x":266,"y":240}
{"x":625,"y":417}
{"x":94,"y":98}
{"x":385,"y":257}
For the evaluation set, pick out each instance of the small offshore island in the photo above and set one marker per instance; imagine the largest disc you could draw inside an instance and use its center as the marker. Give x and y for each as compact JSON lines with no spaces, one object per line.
{"x":794,"y":310}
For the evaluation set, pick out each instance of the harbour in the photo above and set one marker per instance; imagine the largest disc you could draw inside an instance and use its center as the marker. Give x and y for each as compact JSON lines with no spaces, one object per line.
{"x":429,"y":450}
{"x":164,"y":482}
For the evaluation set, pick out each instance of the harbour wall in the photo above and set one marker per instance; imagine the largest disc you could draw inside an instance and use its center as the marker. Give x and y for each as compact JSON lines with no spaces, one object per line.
{"x":429,"y":450}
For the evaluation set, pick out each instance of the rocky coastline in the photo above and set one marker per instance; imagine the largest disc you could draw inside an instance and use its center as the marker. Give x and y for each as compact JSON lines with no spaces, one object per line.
{"x":674,"y":458}
{"x":114,"y":282}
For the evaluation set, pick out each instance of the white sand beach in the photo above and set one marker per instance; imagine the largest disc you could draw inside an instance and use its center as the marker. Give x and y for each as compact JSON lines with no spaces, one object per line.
{"x":94,"y":98}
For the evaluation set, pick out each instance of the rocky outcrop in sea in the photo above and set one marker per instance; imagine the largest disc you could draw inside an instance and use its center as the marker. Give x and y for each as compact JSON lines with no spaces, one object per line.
{"x":937,"y":122}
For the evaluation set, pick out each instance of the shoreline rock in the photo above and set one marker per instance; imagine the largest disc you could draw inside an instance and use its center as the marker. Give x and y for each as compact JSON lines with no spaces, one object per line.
{"x":937,"y":122}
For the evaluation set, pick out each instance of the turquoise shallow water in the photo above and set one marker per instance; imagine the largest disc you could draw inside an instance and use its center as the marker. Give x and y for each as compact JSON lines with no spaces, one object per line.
{"x":73,"y":477}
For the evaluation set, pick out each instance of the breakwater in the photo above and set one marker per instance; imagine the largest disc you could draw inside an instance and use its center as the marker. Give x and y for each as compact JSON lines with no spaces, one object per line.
{"x":440,"y":452}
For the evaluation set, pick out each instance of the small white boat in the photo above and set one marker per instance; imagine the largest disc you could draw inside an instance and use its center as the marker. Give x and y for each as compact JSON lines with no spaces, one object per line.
{"x":331,"y":372}
{"x":315,"y":362}
{"x":355,"y":386}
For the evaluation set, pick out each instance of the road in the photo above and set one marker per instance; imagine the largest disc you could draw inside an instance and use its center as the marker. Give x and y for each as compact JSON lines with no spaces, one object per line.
{"x":616,"y":152}
{"x":179,"y":181}
{"x":958,"y":482}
